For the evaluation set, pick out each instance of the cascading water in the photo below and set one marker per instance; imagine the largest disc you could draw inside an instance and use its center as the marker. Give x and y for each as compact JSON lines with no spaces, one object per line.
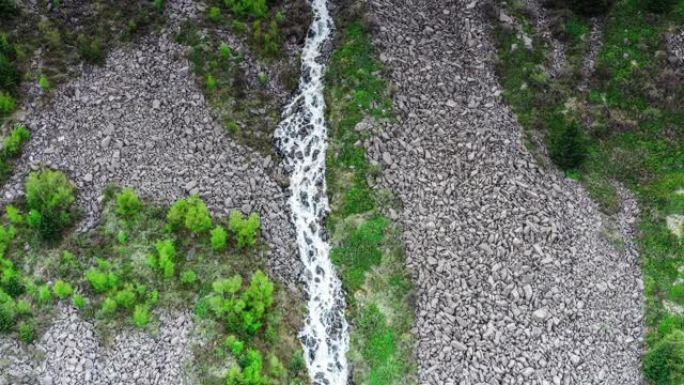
{"x":301,"y":139}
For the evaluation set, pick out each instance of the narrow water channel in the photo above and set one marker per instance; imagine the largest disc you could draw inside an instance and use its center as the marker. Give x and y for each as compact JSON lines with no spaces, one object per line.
{"x":301,"y":139}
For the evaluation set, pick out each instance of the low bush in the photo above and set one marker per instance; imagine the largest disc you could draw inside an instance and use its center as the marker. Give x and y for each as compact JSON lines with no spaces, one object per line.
{"x":165,"y":260}
{"x":664,"y":363}
{"x":11,"y":145}
{"x":7,"y":104}
{"x":44,"y":83}
{"x":11,"y":281}
{"x":108,"y":307}
{"x":188,"y":277}
{"x":78,"y":301}
{"x":128,"y":203}
{"x":191,"y":213}
{"x":244,"y":230}
{"x":44,"y":296}
{"x":27,"y":332}
{"x":7,"y":315}
{"x":62,"y":289}
{"x":100,"y":281}
{"x":218,"y":238}
{"x":9,"y":76}
{"x":14,"y":216}
{"x":49,"y":197}
{"x":91,"y":50}
{"x":566,"y":142}
{"x":243,"y":313}
{"x":125,"y":298}
{"x":211,"y":83}
{"x":251,"y":8}
{"x":141,"y":315}
{"x":214,"y":14}
{"x":225,"y":52}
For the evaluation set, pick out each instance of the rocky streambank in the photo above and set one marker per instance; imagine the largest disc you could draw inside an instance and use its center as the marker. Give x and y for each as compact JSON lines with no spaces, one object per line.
{"x":516,"y":281}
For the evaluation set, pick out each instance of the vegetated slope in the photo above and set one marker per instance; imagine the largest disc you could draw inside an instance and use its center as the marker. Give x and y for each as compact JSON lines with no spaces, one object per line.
{"x":618,"y":99}
{"x":141,"y":121}
{"x":366,"y":244}
{"x":515,"y":283}
{"x":144,"y":267}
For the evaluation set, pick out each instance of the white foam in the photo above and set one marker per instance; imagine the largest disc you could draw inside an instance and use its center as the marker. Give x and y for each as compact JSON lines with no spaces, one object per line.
{"x":301,"y":138}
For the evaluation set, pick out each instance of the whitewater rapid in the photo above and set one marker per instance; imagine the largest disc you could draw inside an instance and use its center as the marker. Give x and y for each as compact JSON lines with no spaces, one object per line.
{"x":301,"y":139}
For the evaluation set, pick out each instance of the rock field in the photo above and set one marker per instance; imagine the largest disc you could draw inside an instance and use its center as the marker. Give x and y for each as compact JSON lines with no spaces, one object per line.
{"x":71,"y":353}
{"x":516,"y":281}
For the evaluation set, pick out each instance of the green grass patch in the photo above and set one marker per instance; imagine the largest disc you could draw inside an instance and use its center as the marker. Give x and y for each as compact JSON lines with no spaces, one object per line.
{"x":366,"y":247}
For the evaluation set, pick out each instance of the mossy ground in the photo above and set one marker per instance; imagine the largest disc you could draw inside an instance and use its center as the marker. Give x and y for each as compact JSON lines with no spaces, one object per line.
{"x":366,"y":244}
{"x":633,"y":124}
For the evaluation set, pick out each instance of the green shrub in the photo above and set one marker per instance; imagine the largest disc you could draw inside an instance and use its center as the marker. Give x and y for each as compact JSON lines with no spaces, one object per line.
{"x":108,"y":307}
{"x":27,"y":332}
{"x":78,"y":301}
{"x":7,"y":316}
{"x":166,"y":261}
{"x":190,"y":212}
{"x":218,"y":238}
{"x":62,"y":289}
{"x":245,"y":231}
{"x":22,"y":307}
{"x":141,"y":315}
{"x":44,"y":295}
{"x":6,"y":237}
{"x":11,"y":145}
{"x":9,"y":76}
{"x":128,"y":203}
{"x":125,"y":297}
{"x":659,"y":6}
{"x":7,"y":104}
{"x":235,"y":346}
{"x":664,"y":362}
{"x":44,"y":83}
{"x":12,"y":282}
{"x":121,"y":237}
{"x":91,"y":50}
{"x":214,"y":14}
{"x":225,"y":52}
{"x":159,"y":5}
{"x":251,"y":8}
{"x":101,"y":281}
{"x":49,"y":197}
{"x":188,"y":277}
{"x":13,"y":215}
{"x":566,"y":141}
{"x":211,"y":83}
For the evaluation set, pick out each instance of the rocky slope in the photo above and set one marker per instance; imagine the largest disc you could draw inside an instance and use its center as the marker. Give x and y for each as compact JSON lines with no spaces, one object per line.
{"x":141,"y":121}
{"x":516,"y":283}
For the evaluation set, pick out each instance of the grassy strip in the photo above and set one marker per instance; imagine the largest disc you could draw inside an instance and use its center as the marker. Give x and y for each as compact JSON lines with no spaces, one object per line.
{"x":366,"y":246}
{"x":636,"y":137}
